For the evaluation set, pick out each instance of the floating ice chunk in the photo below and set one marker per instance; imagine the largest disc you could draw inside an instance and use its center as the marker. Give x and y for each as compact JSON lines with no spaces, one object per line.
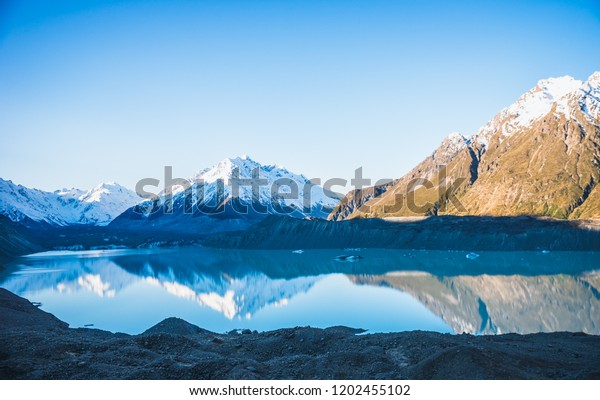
{"x":348,"y":258}
{"x":472,"y":256}
{"x":298,"y":251}
{"x":545,"y":251}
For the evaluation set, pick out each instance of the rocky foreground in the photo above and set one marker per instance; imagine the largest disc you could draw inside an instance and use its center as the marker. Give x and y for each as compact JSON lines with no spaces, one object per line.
{"x":36,"y":345}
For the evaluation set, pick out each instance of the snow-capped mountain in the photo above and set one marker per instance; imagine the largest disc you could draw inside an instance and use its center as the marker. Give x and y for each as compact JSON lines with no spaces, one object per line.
{"x":538,"y":156}
{"x":105,"y":202}
{"x":225,"y":191}
{"x":279,"y":183}
{"x":564,"y":94}
{"x":97,"y":206}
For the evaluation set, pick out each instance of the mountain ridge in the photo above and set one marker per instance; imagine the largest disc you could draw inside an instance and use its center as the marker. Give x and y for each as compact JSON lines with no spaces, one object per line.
{"x":97,"y":206}
{"x":103,"y":203}
{"x":539,"y":156}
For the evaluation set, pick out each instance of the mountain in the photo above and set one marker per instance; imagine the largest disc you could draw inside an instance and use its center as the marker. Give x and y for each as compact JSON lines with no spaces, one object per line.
{"x":352,"y":204}
{"x":97,"y":206}
{"x":539,"y":156}
{"x":210,"y":203}
{"x":220,"y":198}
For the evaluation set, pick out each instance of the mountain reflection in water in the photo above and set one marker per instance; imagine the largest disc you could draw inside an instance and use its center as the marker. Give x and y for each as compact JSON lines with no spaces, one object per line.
{"x":386,"y":290}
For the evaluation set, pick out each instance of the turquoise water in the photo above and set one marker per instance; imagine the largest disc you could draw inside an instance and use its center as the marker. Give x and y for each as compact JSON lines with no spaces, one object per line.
{"x":382,"y":291}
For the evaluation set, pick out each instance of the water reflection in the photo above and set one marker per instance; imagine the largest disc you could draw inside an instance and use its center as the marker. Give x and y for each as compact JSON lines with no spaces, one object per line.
{"x":130,"y":290}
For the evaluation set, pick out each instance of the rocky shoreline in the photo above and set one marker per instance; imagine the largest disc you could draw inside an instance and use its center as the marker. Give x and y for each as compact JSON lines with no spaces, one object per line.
{"x":36,"y":345}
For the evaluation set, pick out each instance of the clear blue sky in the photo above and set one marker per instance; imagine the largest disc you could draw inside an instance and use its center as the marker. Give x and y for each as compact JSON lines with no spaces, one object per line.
{"x":93,"y":91}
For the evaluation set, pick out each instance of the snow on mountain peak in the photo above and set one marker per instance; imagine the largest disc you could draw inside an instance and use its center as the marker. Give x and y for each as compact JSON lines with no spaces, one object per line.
{"x":69,"y":193}
{"x":455,"y":139}
{"x":594,"y":79}
{"x":590,"y":97}
{"x":245,"y":165}
{"x":274,"y":179}
{"x":532,"y":105}
{"x":451,"y":145}
{"x":555,"y":88}
{"x":97,"y":206}
{"x":223,"y":170}
{"x":538,"y":101}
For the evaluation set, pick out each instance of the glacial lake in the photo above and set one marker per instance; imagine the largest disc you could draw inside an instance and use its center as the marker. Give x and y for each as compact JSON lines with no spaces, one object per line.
{"x":377,"y":290}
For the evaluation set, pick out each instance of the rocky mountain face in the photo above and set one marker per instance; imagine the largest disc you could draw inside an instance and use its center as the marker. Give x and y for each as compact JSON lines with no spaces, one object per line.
{"x":392,"y":198}
{"x":97,"y":206}
{"x":355,"y":199}
{"x":539,"y":156}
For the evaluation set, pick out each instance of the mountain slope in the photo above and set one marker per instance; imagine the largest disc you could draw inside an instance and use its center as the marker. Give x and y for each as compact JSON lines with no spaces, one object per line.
{"x":539,"y":156}
{"x":548,"y":169}
{"x":97,"y":206}
{"x":454,"y":154}
{"x":15,"y":240}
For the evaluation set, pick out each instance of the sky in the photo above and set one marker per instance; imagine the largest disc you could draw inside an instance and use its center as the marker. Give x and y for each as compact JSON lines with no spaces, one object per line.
{"x":95,"y":91}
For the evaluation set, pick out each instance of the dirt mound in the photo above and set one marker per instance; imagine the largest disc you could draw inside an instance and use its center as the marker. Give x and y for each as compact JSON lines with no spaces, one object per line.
{"x":175,"y":326}
{"x":16,"y":312}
